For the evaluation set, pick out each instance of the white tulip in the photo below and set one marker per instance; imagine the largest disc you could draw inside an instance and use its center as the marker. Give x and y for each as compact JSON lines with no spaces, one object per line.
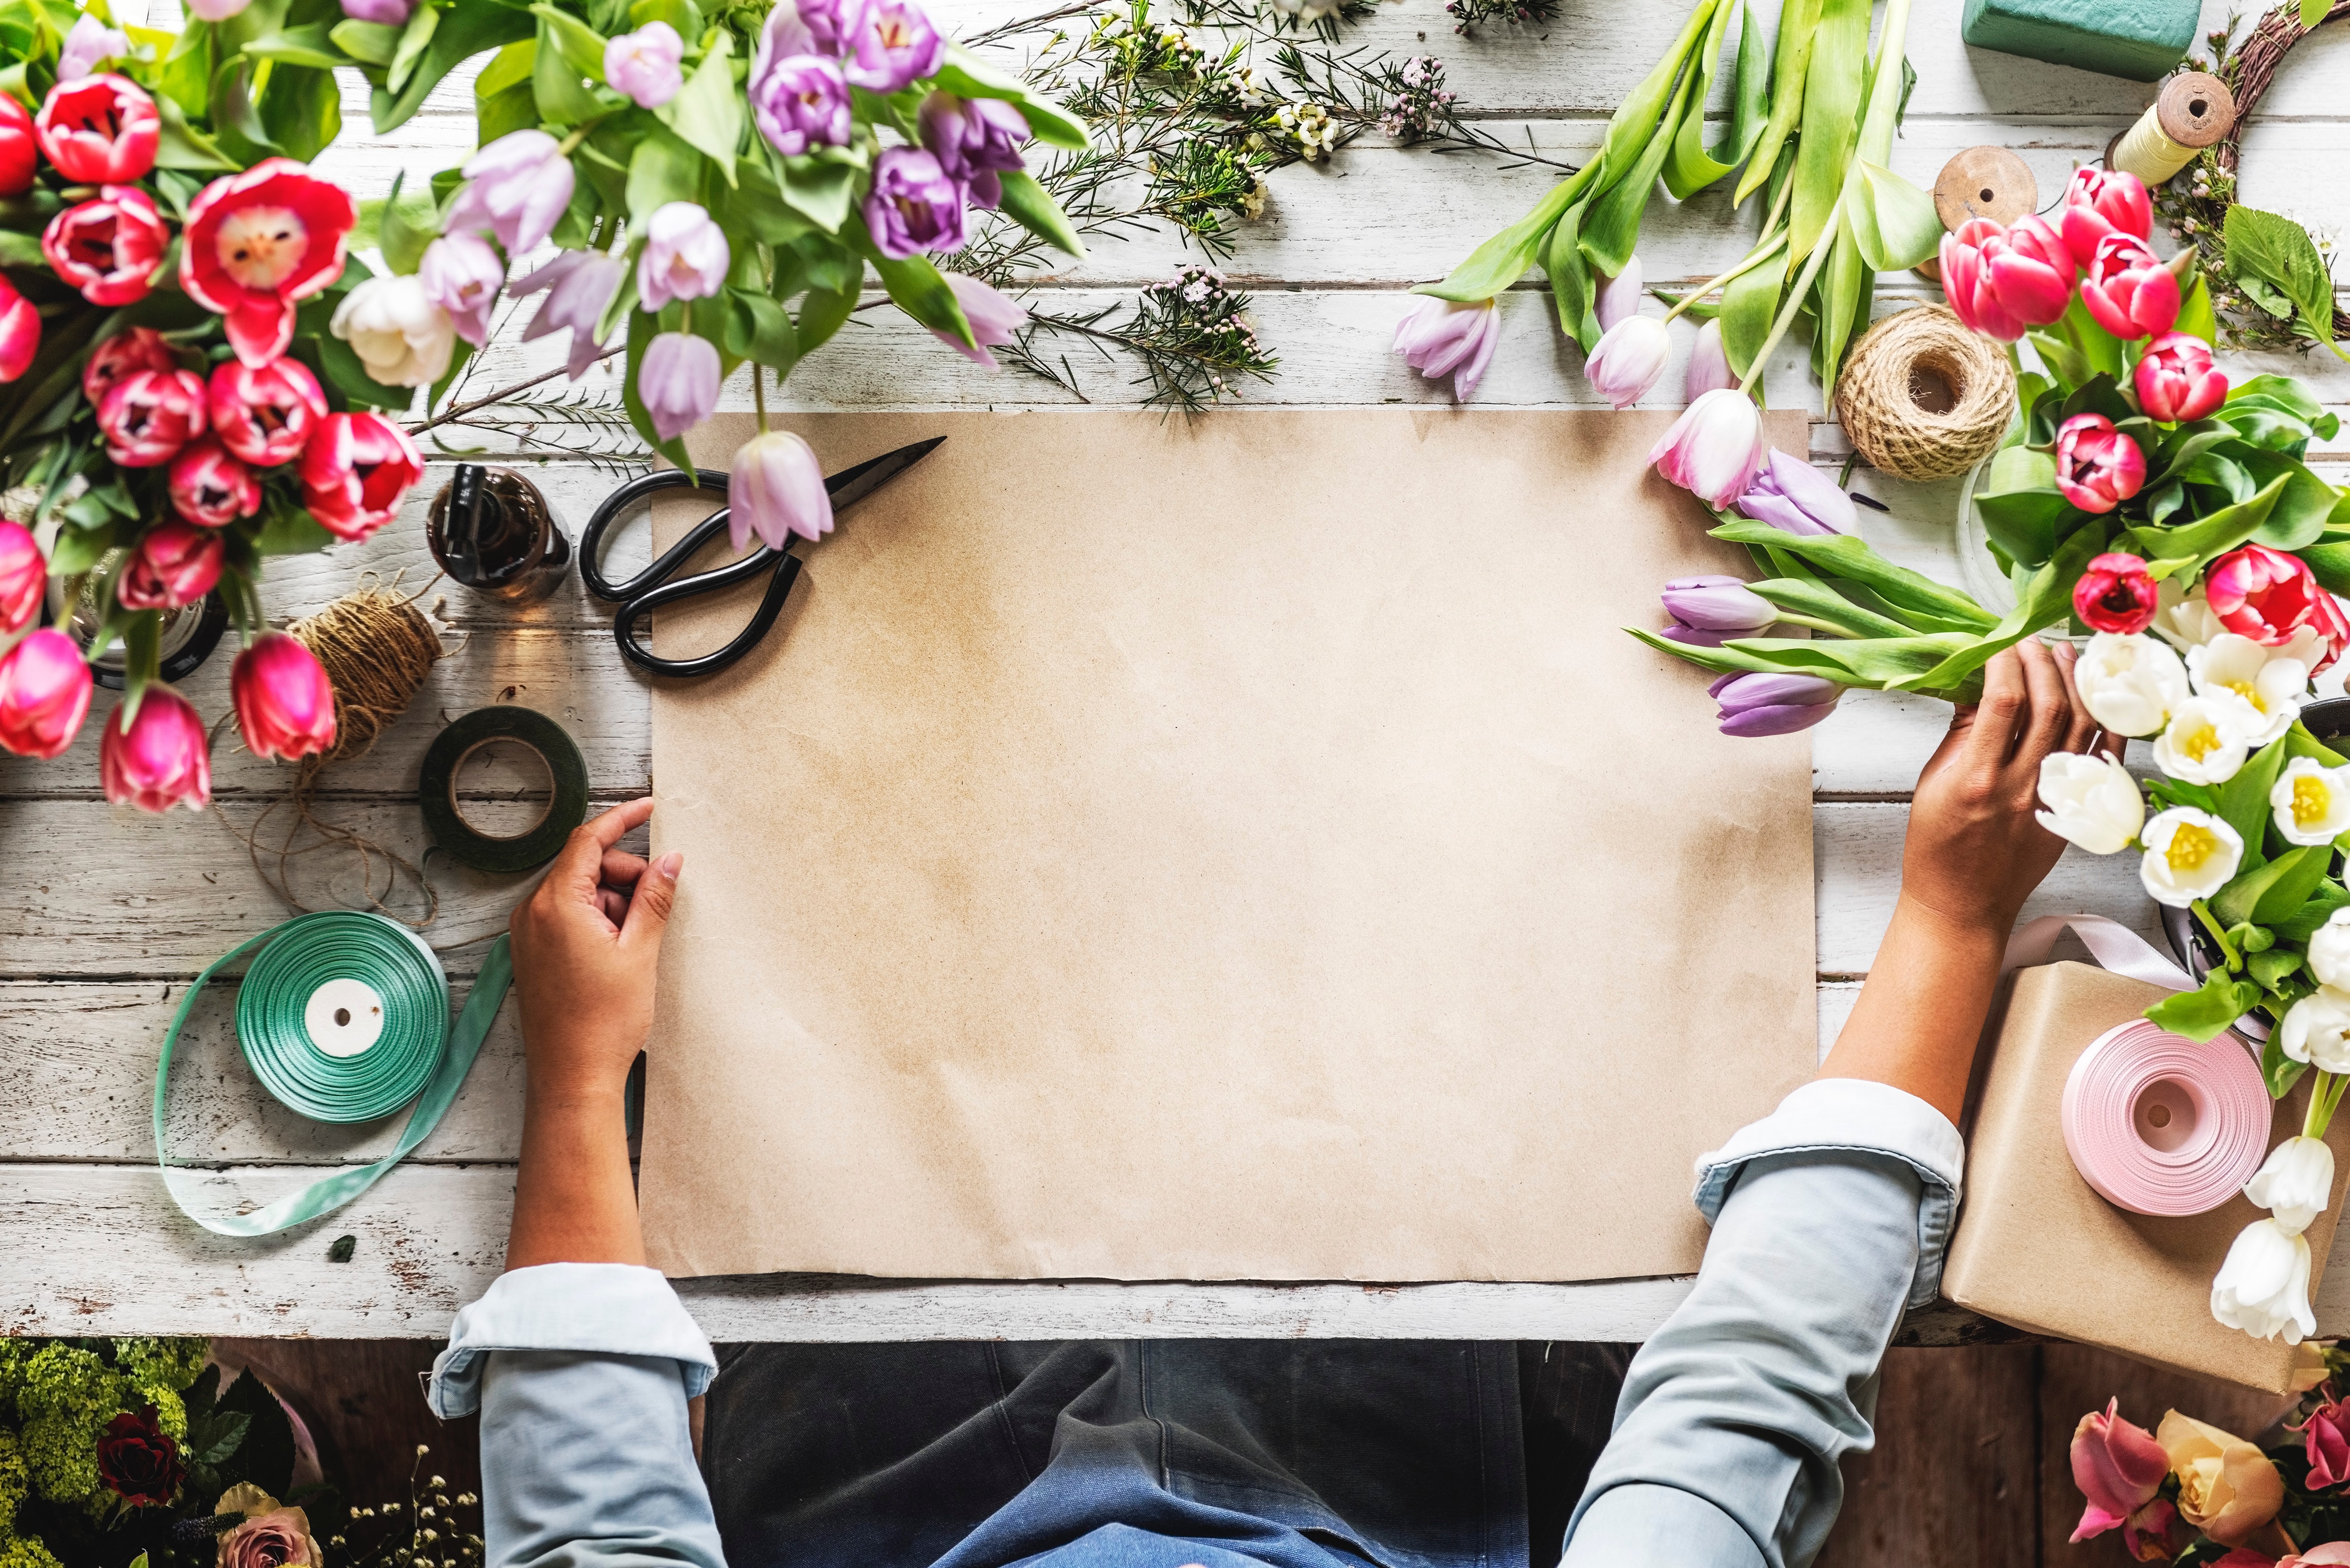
{"x":2316,"y":1030}
{"x":2297,"y":1184}
{"x":2129,"y":683}
{"x":2263,"y":1287}
{"x":2311,"y":801}
{"x":2092,"y":801}
{"x":2202,"y":744}
{"x":2190,"y":855}
{"x":2329,"y":951}
{"x":2185,"y":620}
{"x":400,"y":336}
{"x":2262,"y":686}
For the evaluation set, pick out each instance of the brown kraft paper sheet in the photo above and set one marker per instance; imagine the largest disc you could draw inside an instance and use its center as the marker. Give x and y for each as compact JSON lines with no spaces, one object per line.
{"x":1246,"y":849}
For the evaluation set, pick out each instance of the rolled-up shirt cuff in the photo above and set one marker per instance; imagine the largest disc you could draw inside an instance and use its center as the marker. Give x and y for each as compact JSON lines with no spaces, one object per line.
{"x":594,"y":1309}
{"x":1855,"y":1115}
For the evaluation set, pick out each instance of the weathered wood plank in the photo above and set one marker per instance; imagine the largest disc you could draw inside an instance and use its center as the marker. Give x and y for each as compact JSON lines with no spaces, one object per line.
{"x":1956,"y":1463}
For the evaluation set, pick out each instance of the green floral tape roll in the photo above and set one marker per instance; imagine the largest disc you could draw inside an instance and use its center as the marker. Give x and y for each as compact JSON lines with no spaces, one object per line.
{"x":343,"y":1017}
{"x":436,"y":791}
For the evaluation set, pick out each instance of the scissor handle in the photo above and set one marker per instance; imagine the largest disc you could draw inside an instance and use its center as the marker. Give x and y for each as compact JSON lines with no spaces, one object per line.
{"x":779,"y":587}
{"x":591,"y":543}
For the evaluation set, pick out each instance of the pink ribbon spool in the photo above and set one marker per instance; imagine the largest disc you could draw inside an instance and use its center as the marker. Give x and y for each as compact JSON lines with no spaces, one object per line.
{"x":2159,"y":1124}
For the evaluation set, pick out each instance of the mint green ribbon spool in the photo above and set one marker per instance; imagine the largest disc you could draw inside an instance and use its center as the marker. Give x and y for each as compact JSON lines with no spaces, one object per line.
{"x":343,"y":1017}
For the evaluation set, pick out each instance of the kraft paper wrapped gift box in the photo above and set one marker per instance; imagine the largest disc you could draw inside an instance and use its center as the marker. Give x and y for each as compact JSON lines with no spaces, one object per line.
{"x":2037,"y":1247}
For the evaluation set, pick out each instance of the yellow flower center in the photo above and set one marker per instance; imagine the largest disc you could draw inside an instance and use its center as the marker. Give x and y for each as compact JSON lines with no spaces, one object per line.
{"x":261,"y":246}
{"x":2200,"y":743}
{"x":2191,"y":845}
{"x":2312,"y":801}
{"x":2245,"y":690}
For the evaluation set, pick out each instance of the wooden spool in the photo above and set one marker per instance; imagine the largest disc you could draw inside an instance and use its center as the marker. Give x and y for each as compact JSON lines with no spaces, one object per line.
{"x":2193,"y":111}
{"x":1985,"y":183}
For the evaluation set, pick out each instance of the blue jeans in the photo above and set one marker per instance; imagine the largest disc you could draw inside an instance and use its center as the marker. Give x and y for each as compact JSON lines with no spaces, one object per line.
{"x":1296,"y":1454}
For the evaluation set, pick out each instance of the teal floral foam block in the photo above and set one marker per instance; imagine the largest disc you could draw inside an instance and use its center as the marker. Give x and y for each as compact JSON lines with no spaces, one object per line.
{"x":2140,"y":40}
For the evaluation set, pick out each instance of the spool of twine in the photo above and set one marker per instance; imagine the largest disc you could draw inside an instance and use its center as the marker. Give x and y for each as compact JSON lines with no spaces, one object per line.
{"x":1922,"y":397}
{"x":2194,"y":110}
{"x":376,"y":649}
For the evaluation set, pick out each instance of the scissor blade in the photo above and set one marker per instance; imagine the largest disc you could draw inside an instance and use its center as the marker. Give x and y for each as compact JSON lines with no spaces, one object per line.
{"x":851,"y":485}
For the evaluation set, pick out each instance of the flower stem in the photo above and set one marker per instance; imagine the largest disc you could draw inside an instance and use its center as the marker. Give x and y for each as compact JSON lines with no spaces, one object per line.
{"x":2203,"y":913}
{"x":563,"y":149}
{"x":1812,"y":264}
{"x":1756,"y":257}
{"x":759,"y":395}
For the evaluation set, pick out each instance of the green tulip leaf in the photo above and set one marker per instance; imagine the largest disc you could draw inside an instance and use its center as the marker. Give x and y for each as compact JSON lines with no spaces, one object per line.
{"x":1895,"y":222}
{"x":2202,"y":1013}
{"x":1029,"y":204}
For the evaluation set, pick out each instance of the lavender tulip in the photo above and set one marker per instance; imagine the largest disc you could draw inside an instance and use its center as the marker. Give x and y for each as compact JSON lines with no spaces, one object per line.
{"x":1709,"y":366}
{"x":1628,"y":360}
{"x":914,"y":204}
{"x":895,"y":46}
{"x":799,"y":97}
{"x":1793,"y":497}
{"x":382,"y":12}
{"x":645,"y":64}
{"x":1619,"y":297}
{"x":685,"y":256}
{"x":1714,"y":448}
{"x":88,"y":46}
{"x":995,"y":320}
{"x":579,"y":285}
{"x":777,"y":491}
{"x":1718,"y":604}
{"x":831,"y":26}
{"x":516,"y":188}
{"x":461,"y":275}
{"x":677,"y":381}
{"x":1775,"y":704}
{"x":1443,"y":337}
{"x":976,"y":140}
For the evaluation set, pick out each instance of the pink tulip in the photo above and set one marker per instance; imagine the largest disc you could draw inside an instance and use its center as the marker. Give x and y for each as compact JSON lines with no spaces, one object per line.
{"x":461,"y":275}
{"x":1715,"y":448}
{"x":1709,"y":366}
{"x":285,"y":706}
{"x":1618,"y":297}
{"x":777,"y":491}
{"x":162,"y":760}
{"x":994,"y":319}
{"x":2101,"y":201}
{"x":644,"y":65}
{"x":2177,"y":381}
{"x":2262,"y":594}
{"x":44,"y":687}
{"x":1754,"y":704}
{"x":113,"y":362}
{"x":355,"y":471}
{"x":2129,"y":289}
{"x":150,"y":415}
{"x":2118,"y":1466}
{"x":2326,"y":619}
{"x":2001,"y":281}
{"x":685,"y":256}
{"x":108,"y":247}
{"x":20,"y":332}
{"x":24,"y":578}
{"x":1444,"y":338}
{"x":2097,"y":467}
{"x":99,"y":129}
{"x":264,"y":416}
{"x":175,"y":564}
{"x":515,"y":188}
{"x":1629,"y":360}
{"x":210,"y":488}
{"x":678,"y":382}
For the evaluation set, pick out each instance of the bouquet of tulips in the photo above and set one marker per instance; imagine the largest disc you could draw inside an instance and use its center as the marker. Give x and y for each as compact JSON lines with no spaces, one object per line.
{"x":176,"y":406}
{"x":2149,"y":504}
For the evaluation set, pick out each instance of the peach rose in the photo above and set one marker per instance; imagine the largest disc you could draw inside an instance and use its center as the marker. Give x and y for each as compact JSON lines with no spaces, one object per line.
{"x":2227,"y":1488}
{"x":270,"y":1537}
{"x":2332,"y":1552}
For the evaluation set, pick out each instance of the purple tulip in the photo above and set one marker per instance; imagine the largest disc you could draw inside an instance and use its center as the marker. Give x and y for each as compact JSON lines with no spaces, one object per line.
{"x":645,"y":64}
{"x":776,"y":491}
{"x":1444,"y":338}
{"x":831,"y":25}
{"x":915,"y":205}
{"x":677,"y":381}
{"x":798,"y":97}
{"x":895,"y":46}
{"x":995,"y":320}
{"x":382,"y":12}
{"x":461,"y":275}
{"x":685,"y":256}
{"x":1619,"y":297}
{"x":90,"y":45}
{"x":580,"y":284}
{"x":516,"y":188}
{"x":1777,"y":704}
{"x":1793,"y":497}
{"x":976,"y":140}
{"x":1708,"y":365}
{"x":1718,"y":604}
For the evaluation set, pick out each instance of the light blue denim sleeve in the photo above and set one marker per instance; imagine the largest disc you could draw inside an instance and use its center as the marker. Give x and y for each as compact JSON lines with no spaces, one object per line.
{"x":581,"y":1372}
{"x":1830,"y":1218}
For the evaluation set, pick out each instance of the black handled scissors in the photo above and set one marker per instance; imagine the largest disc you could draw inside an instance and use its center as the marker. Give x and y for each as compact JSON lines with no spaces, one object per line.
{"x":652,"y":588}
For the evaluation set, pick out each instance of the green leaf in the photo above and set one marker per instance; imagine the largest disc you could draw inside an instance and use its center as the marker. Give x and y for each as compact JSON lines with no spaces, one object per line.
{"x":1612,"y":227}
{"x":2024,"y":522}
{"x":1571,"y":291}
{"x":708,"y":111}
{"x":2044,"y":599}
{"x":2300,"y":515}
{"x":221,"y":1437}
{"x":509,"y":67}
{"x":965,"y":75}
{"x":77,"y":549}
{"x":683,"y":15}
{"x":2272,"y":968}
{"x":414,"y":38}
{"x":370,"y":43}
{"x":1924,"y":602}
{"x":312,"y":45}
{"x":2292,"y":888}
{"x":819,"y":190}
{"x":1831,"y":121}
{"x":917,"y":289}
{"x":1029,"y":205}
{"x":302,"y":110}
{"x":2196,"y":316}
{"x":2266,"y":248}
{"x":662,"y":170}
{"x":181,"y":146}
{"x":1893,"y":222}
{"x":463,"y":32}
{"x":759,"y":328}
{"x":2182,"y":551}
{"x":582,"y":46}
{"x":2244,"y":806}
{"x":1692,"y":166}
{"x":1749,"y":305}
{"x":288,"y":529}
{"x":2300,"y":742}
{"x":2281,"y":1070}
{"x":2202,"y":1013}
{"x":1812,"y":597}
{"x":2313,"y":12}
{"x":823,"y":312}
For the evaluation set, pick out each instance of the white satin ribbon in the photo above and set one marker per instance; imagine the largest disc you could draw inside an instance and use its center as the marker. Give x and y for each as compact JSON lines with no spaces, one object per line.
{"x":2115,"y":947}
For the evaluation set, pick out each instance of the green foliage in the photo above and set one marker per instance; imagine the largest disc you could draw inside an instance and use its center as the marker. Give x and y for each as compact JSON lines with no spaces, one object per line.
{"x":2275,"y":263}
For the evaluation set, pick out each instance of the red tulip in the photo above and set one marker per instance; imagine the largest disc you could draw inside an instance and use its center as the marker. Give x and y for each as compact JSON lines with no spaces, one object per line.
{"x":2333,"y":628}
{"x":285,"y":706}
{"x":355,"y":471}
{"x":2116,"y":595}
{"x":20,"y":329}
{"x":133,"y":348}
{"x":2101,"y":201}
{"x":266,"y":416}
{"x":2129,"y":289}
{"x":2177,"y":381}
{"x":2001,"y":281}
{"x":2263,"y":594}
{"x":210,"y":488}
{"x":175,"y":564}
{"x":44,"y":687}
{"x":24,"y":578}
{"x":101,"y":130}
{"x":162,"y":760}
{"x":150,"y":415}
{"x":258,"y":243}
{"x":19,"y":154}
{"x":2097,"y":467}
{"x":107,"y":248}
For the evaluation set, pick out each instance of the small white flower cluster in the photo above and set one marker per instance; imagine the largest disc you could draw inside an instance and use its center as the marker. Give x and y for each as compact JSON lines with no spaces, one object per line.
{"x":1418,"y":108}
{"x":1311,"y":126}
{"x":1306,"y":13}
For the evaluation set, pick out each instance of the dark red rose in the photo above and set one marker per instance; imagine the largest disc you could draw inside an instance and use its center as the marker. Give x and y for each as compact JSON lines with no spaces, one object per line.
{"x":138,"y":1460}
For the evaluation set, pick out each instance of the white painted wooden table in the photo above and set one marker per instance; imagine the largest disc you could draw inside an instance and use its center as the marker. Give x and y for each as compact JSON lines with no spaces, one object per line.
{"x":105,"y":914}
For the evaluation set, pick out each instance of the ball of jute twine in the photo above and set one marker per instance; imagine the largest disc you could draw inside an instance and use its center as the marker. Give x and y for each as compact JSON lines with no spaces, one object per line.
{"x":1894,"y":365}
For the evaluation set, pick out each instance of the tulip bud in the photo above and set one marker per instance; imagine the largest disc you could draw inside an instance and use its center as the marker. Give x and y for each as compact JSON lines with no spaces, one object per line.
{"x":1709,"y":366}
{"x":1714,"y":449}
{"x":1718,"y":604}
{"x":2263,"y":1286}
{"x":2329,"y":950}
{"x":2128,"y":290}
{"x":2295,"y":1183}
{"x":1793,"y":497}
{"x":516,"y":188}
{"x":2101,"y":201}
{"x":2097,"y":467}
{"x":113,"y":362}
{"x":461,"y":275}
{"x":161,"y":760}
{"x":19,"y":153}
{"x":102,"y":129}
{"x":677,"y":381}
{"x":1754,"y":704}
{"x":2091,"y":801}
{"x":2176,"y":380}
{"x":2129,"y":684}
{"x":1626,"y":362}
{"x":2262,"y":594}
{"x":2116,"y":593}
{"x":685,"y":256}
{"x":1445,"y":337}
{"x":174,"y":563}
{"x":994,"y":319}
{"x":1619,"y":297}
{"x":90,"y":45}
{"x":44,"y":687}
{"x":644,"y":64}
{"x":777,"y":491}
{"x":285,"y":706}
{"x":150,"y":415}
{"x":210,"y":488}
{"x":24,"y":578}
{"x":355,"y":471}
